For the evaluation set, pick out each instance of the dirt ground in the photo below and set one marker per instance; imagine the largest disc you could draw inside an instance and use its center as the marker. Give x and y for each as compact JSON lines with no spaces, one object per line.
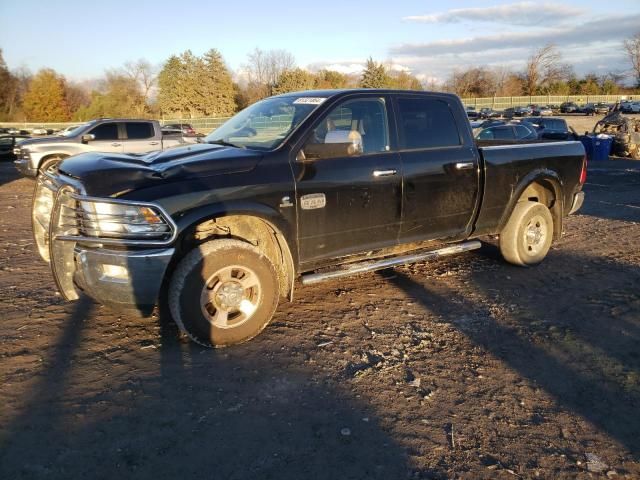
{"x":462,"y":368}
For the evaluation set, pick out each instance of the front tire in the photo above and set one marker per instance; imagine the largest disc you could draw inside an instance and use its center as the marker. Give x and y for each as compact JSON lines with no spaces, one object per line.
{"x":223,"y":292}
{"x":49,"y":162}
{"x":527,"y":236}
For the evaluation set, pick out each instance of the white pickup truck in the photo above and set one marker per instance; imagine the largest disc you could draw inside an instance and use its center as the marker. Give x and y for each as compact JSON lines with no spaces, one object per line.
{"x":109,"y":135}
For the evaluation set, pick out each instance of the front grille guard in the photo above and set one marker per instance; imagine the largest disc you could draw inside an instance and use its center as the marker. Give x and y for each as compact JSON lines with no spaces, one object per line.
{"x":57,"y":243}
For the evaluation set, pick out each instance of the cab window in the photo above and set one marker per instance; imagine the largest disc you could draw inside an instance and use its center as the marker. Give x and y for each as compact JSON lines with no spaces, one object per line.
{"x":139,"y":130}
{"x":106,"y":131}
{"x":426,"y":123}
{"x":353,"y":128}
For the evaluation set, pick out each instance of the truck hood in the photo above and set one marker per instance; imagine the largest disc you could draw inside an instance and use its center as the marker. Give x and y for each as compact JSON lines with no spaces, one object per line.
{"x":47,"y":139}
{"x":105,"y":174}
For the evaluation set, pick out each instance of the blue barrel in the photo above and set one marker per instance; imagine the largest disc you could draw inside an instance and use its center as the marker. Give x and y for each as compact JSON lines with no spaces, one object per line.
{"x":601,"y":148}
{"x":587,"y":141}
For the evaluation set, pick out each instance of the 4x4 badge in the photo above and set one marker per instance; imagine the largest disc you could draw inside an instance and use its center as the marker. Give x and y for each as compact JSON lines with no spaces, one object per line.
{"x":313,"y":201}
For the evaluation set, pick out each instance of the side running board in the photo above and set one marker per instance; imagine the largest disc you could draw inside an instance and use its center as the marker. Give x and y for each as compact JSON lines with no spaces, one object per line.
{"x":369,"y":266}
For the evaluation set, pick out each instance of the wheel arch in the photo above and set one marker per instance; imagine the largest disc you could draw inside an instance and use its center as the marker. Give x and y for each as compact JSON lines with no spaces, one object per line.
{"x":50,"y":156}
{"x":256,"y":224}
{"x":543,"y":186}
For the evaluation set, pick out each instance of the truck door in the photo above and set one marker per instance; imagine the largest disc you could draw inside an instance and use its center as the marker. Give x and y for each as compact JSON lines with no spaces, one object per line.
{"x":348,"y":182}
{"x":140,"y":137}
{"x":440,"y":168}
{"x":106,"y":138}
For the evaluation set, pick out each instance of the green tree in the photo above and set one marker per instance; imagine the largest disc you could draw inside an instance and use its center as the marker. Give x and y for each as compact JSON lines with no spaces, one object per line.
{"x":177,"y":83}
{"x":294,"y":81}
{"x":404,"y":81}
{"x":119,"y":96}
{"x":215,"y":86}
{"x":45,"y":99}
{"x":374,"y":75}
{"x":331,"y":79}
{"x":196,"y":86}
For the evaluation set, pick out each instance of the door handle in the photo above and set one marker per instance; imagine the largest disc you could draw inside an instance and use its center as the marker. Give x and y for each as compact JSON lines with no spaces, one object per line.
{"x":116,"y":144}
{"x":153,"y":143}
{"x":464,"y":165}
{"x":384,"y":173}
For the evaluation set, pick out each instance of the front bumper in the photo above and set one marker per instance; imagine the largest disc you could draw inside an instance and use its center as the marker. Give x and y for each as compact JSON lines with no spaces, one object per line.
{"x":25,"y":168}
{"x":121,"y":278}
{"x":578,"y":200}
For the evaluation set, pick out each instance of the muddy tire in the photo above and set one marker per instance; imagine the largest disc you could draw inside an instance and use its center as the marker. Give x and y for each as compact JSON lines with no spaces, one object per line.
{"x":527,"y":236}
{"x":223,"y":292}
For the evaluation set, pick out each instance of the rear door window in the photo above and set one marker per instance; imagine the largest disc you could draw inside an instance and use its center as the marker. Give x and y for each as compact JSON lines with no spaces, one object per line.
{"x":503,"y":133}
{"x":106,"y":131}
{"x":139,"y":130}
{"x":426,"y":123}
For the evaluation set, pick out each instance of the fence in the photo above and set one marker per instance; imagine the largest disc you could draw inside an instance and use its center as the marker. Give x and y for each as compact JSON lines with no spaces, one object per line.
{"x":500,"y":103}
{"x":205,"y":125}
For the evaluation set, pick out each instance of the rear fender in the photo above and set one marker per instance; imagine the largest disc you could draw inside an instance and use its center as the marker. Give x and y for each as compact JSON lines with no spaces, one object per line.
{"x":545,"y":177}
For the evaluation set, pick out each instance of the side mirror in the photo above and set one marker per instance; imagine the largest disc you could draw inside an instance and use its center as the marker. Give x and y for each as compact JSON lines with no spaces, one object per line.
{"x":88,"y":137}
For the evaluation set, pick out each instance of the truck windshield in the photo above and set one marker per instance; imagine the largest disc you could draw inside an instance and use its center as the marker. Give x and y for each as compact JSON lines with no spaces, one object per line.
{"x":265,"y":124}
{"x":75,"y":131}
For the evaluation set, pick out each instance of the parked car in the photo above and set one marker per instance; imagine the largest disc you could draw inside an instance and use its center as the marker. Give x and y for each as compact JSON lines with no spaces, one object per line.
{"x":630,"y":107}
{"x":510,"y":133}
{"x":487,"y":112}
{"x":550,"y":128}
{"x":541,"y":110}
{"x":588,"y":109}
{"x":479,"y":125}
{"x":7,"y":145}
{"x":109,"y":135}
{"x":354,"y":178}
{"x":472,"y":113}
{"x":517,"y":112}
{"x":569,"y":107}
{"x":39,"y":131}
{"x":602,"y":108}
{"x":179,"y":128}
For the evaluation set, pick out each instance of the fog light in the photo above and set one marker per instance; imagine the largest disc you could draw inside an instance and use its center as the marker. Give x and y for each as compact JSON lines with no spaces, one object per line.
{"x":115,"y":272}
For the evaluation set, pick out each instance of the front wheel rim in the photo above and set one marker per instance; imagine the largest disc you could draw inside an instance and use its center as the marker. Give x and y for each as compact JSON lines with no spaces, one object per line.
{"x":535,"y":235}
{"x":231,"y":296}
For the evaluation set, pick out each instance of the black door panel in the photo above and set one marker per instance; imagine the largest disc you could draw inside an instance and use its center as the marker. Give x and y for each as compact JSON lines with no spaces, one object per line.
{"x":440,"y":169}
{"x":361,"y":210}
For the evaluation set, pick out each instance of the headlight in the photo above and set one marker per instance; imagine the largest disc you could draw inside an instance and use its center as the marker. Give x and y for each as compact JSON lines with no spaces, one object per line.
{"x":23,"y":153}
{"x":42,"y":206}
{"x":121,"y":220}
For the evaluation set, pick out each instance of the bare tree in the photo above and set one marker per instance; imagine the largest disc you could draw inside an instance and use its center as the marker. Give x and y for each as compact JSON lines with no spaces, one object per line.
{"x":473,"y":82}
{"x":543,"y":68}
{"x":145,"y":76}
{"x":632,"y":49}
{"x":265,"y":67}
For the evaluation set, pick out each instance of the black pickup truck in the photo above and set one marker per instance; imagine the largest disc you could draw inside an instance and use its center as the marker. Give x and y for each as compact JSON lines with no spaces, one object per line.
{"x":305,"y":186}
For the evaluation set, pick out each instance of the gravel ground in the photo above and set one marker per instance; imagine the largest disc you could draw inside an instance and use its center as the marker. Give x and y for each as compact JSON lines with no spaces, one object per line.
{"x":462,"y":368}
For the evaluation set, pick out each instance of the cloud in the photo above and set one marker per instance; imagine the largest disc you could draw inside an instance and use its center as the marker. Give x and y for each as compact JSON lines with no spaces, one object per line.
{"x":604,"y":29}
{"x":522,"y":13}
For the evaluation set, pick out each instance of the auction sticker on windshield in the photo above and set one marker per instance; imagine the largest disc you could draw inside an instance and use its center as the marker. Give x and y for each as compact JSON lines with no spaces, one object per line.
{"x":309,"y":101}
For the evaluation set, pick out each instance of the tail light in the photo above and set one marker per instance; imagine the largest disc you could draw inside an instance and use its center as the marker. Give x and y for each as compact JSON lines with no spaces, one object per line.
{"x":583,"y":172}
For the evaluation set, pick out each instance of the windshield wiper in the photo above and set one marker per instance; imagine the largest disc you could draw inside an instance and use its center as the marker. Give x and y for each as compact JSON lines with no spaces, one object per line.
{"x":225,"y":143}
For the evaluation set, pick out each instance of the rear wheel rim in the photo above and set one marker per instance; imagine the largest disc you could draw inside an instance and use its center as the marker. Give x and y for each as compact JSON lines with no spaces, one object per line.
{"x":231,"y":296}
{"x":535,"y":235}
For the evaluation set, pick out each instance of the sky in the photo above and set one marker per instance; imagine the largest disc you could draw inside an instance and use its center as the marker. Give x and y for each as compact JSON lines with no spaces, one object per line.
{"x":429,"y":39}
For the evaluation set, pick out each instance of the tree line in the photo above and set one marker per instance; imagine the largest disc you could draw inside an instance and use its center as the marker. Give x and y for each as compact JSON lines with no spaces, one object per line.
{"x":191,"y":86}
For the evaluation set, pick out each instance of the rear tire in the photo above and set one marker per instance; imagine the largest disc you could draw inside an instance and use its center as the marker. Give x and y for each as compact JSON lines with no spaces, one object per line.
{"x":223,"y":292}
{"x":527,"y":236}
